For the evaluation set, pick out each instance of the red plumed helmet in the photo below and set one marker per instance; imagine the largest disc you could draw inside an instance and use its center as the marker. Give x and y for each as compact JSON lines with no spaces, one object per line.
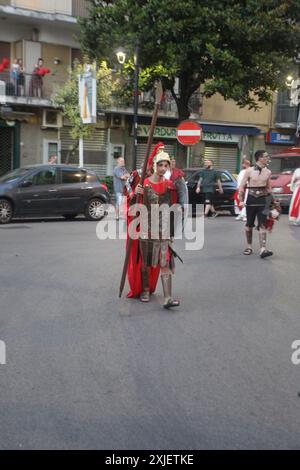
{"x":157,"y":148}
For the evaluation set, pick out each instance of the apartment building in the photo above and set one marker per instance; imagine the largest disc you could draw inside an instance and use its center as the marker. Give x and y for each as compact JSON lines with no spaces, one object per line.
{"x":31,"y":129}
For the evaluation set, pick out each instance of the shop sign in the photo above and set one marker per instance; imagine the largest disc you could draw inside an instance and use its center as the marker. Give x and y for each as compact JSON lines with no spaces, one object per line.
{"x":221,"y":137}
{"x":159,"y":133}
{"x":278,"y":138}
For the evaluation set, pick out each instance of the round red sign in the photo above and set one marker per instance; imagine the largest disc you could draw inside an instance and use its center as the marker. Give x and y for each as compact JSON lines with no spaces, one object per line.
{"x":189,"y":133}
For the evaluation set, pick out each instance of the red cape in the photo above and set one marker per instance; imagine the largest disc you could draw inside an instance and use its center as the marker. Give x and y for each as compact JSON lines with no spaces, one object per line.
{"x":296,"y":205}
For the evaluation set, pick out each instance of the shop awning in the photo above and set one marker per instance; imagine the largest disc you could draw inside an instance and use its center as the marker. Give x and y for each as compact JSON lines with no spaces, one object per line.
{"x":237,"y":130}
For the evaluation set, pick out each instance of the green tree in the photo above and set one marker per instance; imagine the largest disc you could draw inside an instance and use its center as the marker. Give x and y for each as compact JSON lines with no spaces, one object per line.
{"x":238,"y":49}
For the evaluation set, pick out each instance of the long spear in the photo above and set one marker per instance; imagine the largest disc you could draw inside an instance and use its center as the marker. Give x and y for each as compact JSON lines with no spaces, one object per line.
{"x":158,"y":96}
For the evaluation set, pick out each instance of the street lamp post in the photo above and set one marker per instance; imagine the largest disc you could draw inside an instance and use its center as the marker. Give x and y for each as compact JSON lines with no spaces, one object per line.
{"x":121,"y":56}
{"x":136,"y":103}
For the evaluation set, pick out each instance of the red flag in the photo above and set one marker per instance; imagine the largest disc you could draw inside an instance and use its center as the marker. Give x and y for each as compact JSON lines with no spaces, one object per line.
{"x":5,"y":63}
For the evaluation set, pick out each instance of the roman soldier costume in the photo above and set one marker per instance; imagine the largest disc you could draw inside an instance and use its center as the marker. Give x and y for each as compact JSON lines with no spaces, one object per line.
{"x":152,"y":252}
{"x":259,"y":203}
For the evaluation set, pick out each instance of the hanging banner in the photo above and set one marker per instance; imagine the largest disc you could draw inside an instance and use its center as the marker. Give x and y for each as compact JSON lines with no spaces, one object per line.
{"x":88,"y":96}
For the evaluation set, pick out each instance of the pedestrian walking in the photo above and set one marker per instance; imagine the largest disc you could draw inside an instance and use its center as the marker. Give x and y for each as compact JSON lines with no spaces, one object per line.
{"x":294,"y":211}
{"x":120,"y":177}
{"x":208,"y":179}
{"x":258,"y":181}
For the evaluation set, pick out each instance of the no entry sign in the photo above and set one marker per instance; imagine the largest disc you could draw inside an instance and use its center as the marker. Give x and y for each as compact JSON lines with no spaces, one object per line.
{"x":189,"y":133}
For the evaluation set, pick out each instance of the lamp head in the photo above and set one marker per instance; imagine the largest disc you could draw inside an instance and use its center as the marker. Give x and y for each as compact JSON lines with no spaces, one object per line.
{"x":289,"y":80}
{"x":121,"y":56}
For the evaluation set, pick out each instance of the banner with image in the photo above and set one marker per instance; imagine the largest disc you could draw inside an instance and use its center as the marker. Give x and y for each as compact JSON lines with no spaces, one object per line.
{"x":88,"y":96}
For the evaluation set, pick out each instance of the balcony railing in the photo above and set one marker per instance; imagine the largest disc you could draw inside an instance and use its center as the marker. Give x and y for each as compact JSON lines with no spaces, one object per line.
{"x":25,"y":87}
{"x":286,"y":116}
{"x":168,"y":104}
{"x":80,"y":8}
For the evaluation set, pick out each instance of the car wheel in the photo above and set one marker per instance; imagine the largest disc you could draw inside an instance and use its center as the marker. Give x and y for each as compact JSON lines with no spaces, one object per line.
{"x":70,"y":216}
{"x":95,"y":209}
{"x":6,"y":211}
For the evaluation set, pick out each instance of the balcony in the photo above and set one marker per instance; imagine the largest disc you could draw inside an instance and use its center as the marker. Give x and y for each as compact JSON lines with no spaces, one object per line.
{"x":28,"y":89}
{"x":37,"y":11}
{"x":168,"y":104}
{"x":80,"y":8}
{"x":286,"y":116}
{"x":63,"y":7}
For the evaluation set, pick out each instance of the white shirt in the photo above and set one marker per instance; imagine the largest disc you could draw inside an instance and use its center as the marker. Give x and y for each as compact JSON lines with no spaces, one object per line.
{"x":240,"y":177}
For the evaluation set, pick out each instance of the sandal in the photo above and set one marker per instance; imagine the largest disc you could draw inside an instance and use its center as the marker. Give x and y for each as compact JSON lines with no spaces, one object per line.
{"x":248,"y":251}
{"x":145,"y":296}
{"x":171,"y":303}
{"x":266,"y":253}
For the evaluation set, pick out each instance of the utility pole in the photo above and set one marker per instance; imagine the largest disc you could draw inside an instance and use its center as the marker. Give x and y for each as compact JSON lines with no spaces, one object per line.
{"x":136,"y":102}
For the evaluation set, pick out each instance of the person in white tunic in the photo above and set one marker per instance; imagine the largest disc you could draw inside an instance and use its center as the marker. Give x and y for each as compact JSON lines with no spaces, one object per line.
{"x":294,"y":212}
{"x":241,"y":214}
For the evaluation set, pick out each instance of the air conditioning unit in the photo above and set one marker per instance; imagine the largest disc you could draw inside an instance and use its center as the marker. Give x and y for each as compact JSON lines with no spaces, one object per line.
{"x":117,"y":120}
{"x":52,"y":118}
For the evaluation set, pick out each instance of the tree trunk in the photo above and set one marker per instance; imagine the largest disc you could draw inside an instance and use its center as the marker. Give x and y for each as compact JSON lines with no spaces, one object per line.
{"x":183,"y":114}
{"x":188,"y":86}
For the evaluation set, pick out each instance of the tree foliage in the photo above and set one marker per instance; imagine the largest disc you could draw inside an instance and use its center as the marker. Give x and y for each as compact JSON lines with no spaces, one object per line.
{"x":238,"y":49}
{"x":67,"y":96}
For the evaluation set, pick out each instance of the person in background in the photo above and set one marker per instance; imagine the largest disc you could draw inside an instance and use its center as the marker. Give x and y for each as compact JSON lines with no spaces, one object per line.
{"x":121,"y":175}
{"x":15,"y":71}
{"x":21,"y":79}
{"x":294,"y":212}
{"x":208,"y":179}
{"x":241,"y":213}
{"x":52,"y":160}
{"x":176,"y":175}
{"x":36,"y":81}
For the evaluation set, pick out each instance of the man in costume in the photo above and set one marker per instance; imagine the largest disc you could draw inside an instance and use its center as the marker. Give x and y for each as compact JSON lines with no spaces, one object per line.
{"x":294,"y":212}
{"x":152,"y":252}
{"x":177,"y":177}
{"x":258,"y":201}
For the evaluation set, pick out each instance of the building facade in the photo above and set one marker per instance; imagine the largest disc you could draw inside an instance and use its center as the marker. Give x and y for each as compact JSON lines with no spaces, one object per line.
{"x":31,"y":128}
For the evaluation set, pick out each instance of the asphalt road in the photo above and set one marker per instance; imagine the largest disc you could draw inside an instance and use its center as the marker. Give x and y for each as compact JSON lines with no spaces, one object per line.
{"x":86,"y":370}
